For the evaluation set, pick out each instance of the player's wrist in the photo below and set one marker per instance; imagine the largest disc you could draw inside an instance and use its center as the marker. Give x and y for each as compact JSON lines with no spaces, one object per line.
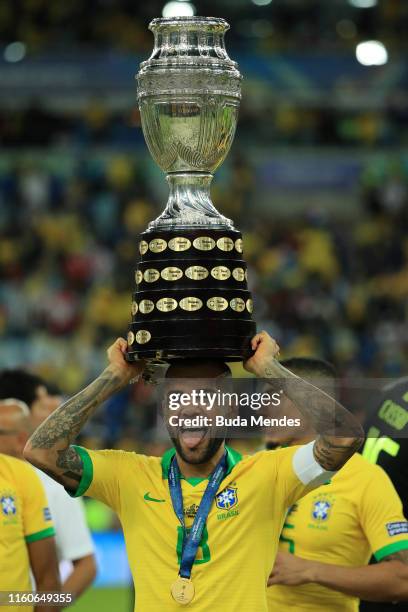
{"x":312,"y":571}
{"x":122,"y":374}
{"x":267,"y":368}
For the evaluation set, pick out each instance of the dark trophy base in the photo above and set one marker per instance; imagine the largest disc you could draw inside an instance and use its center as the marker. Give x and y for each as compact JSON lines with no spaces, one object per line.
{"x":191,"y":297}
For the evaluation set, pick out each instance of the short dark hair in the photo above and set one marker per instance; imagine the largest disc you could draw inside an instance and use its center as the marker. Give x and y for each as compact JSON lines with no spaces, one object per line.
{"x":19,"y":384}
{"x":312,"y":366}
{"x":52,"y":388}
{"x":314,"y":370}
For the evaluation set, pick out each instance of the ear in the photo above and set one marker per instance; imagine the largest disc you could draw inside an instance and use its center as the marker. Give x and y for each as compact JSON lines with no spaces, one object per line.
{"x":22,"y":438}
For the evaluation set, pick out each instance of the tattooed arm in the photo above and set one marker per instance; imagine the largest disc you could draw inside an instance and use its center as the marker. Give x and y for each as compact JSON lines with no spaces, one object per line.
{"x":49,"y":447}
{"x":339,"y":434}
{"x":384,"y":581}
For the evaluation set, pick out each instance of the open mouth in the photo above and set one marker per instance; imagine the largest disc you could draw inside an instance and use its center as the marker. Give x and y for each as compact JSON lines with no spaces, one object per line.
{"x":193,"y":436}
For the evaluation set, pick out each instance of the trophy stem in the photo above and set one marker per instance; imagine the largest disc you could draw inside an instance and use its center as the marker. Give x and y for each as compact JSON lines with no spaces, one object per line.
{"x":189,"y":204}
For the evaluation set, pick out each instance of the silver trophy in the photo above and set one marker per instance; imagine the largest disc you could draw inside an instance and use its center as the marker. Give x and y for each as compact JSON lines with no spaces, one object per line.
{"x":189,"y":92}
{"x":191,"y":297}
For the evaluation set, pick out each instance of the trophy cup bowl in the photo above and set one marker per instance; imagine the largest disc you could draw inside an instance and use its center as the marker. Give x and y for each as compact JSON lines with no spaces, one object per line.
{"x":191,"y":297}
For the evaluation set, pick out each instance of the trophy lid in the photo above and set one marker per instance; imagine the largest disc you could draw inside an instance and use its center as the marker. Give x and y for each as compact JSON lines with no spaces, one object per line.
{"x":190,"y":40}
{"x":217,"y":24}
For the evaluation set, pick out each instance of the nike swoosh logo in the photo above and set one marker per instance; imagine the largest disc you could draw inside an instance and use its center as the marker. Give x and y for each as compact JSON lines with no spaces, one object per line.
{"x":153,"y":499}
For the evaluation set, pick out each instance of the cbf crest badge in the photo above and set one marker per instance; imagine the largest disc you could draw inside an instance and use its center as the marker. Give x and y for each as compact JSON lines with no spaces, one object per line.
{"x":321,"y":510}
{"x":8,"y":505}
{"x":322,"y":506}
{"x":228,"y":498}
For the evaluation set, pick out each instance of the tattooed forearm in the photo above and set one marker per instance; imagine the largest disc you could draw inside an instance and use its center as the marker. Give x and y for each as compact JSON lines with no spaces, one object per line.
{"x":62,"y":427}
{"x":70,"y":461}
{"x":332,"y":454}
{"x":339,"y":433}
{"x":49,"y":446}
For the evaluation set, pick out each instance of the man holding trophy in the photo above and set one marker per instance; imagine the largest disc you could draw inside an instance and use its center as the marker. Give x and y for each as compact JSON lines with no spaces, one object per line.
{"x":201,"y":523}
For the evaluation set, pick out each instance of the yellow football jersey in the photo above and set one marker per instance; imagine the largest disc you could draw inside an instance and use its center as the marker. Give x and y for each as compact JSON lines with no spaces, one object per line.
{"x":240,"y":539}
{"x":358,"y":513}
{"x":24,"y":517}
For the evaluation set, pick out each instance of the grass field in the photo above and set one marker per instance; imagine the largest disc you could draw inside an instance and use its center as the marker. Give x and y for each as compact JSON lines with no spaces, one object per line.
{"x":105,"y":600}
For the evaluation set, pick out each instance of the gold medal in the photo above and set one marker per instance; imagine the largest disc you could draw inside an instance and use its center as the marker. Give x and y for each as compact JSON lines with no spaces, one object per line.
{"x":157,"y":245}
{"x":217,"y":303}
{"x":171,"y":273}
{"x":220,"y":272}
{"x":196,"y":272}
{"x":143,"y":246}
{"x":151,"y":275}
{"x":146,"y":306}
{"x":204,"y":243}
{"x":179,"y":244}
{"x":166,"y":304}
{"x":191,"y":304}
{"x":225,"y":244}
{"x":237,"y":304}
{"x":143,"y":336}
{"x":182,"y":591}
{"x":239,"y":245}
{"x":130,"y":338}
{"x":238,"y":274}
{"x":138,"y":277}
{"x":134,"y":308}
{"x":250,"y":305}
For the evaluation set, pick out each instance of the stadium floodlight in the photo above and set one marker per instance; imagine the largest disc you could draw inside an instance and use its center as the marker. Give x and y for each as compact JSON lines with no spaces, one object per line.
{"x":363,"y":3}
{"x":261,"y":2}
{"x":371,"y":53}
{"x":178,"y":9}
{"x":14,"y":52}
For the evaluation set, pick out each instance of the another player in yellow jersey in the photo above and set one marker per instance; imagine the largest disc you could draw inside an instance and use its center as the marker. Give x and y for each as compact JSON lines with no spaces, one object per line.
{"x":202,"y":523}
{"x":330,"y":534}
{"x":26,"y":532}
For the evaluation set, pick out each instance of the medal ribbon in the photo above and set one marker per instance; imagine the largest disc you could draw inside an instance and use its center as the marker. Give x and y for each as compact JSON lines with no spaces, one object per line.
{"x":192,"y":542}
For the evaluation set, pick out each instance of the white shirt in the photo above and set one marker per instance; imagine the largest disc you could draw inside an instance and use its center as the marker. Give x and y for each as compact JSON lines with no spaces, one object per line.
{"x":73,"y":538}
